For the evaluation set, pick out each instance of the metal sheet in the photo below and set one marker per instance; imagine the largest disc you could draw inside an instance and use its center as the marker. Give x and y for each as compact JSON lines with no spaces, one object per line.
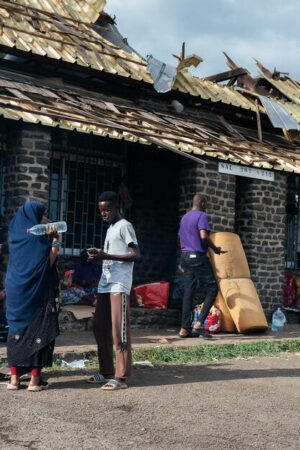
{"x":290,"y":88}
{"x":162,"y":74}
{"x":278,"y":115}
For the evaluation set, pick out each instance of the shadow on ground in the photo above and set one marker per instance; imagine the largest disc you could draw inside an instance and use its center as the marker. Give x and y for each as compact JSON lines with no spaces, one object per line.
{"x":171,"y":375}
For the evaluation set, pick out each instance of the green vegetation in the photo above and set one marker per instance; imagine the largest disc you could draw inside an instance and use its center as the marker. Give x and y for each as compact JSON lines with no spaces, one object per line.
{"x":203,"y":353}
{"x":206,"y":353}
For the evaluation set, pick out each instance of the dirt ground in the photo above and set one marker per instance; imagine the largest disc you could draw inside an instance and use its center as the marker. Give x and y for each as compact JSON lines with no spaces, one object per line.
{"x":237,"y":404}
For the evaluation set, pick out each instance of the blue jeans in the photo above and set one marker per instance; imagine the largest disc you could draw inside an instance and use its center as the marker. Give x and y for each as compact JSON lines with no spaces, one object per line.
{"x":196,"y":266}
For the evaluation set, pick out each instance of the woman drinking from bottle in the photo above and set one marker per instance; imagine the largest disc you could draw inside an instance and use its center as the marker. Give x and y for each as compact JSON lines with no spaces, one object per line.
{"x":31,"y":287}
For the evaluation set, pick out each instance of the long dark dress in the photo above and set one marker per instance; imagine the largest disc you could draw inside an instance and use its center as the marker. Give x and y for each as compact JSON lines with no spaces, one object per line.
{"x":31,"y":287}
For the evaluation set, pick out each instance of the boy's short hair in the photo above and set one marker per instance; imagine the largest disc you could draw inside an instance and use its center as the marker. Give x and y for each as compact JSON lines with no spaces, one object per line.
{"x":108,"y":196}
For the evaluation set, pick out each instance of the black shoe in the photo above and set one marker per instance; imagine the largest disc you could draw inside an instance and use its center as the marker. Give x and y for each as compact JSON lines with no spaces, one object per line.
{"x":197,"y":332}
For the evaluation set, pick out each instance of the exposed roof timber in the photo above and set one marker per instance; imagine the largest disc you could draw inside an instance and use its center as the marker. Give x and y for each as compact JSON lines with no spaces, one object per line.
{"x":187,"y":61}
{"x":246,"y":80}
{"x":50,"y":37}
{"x":223,"y":76}
{"x":275,"y":74}
{"x":31,"y":101}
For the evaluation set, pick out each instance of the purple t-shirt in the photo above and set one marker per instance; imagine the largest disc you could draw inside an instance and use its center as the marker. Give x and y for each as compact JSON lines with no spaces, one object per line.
{"x":189,"y":235}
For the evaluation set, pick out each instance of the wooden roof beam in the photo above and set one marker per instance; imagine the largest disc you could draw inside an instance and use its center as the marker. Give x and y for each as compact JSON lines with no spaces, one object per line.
{"x":223,"y":76}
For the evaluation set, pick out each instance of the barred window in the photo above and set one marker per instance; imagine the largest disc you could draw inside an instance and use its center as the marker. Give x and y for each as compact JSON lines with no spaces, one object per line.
{"x":292,"y":246}
{"x":75,"y":183}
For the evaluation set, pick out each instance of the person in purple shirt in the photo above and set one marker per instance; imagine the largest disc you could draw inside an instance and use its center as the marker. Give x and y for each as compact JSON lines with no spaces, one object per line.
{"x":194,"y":241}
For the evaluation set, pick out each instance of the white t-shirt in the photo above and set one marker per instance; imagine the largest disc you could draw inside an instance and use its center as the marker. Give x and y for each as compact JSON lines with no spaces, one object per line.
{"x":117,"y":275}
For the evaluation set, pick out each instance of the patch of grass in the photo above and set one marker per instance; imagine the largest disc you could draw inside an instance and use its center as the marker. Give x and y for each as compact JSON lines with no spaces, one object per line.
{"x":207,"y":353}
{"x":201,"y":353}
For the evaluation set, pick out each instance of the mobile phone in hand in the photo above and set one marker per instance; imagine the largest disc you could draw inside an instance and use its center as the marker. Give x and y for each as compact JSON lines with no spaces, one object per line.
{"x":92,"y":250}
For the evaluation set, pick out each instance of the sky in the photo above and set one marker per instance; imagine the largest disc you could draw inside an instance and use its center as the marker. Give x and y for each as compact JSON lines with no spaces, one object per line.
{"x":267,"y":30}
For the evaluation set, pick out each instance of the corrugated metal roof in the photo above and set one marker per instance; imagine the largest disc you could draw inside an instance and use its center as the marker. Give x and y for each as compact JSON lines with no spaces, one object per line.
{"x":51,"y":35}
{"x":278,"y":115}
{"x":290,"y":88}
{"x":187,"y":82}
{"x":82,"y":10}
{"x":29,"y":100}
{"x":292,"y":108}
{"x":61,"y":30}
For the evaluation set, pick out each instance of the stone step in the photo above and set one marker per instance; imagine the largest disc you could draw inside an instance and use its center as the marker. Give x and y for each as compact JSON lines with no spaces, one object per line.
{"x":139,"y":317}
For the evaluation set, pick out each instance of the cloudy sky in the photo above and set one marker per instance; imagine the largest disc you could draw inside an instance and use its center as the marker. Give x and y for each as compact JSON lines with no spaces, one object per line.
{"x":267,"y":30}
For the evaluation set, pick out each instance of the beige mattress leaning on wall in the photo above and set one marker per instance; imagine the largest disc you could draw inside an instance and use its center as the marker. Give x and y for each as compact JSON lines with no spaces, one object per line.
{"x":243,"y":304}
{"x":233,"y":264}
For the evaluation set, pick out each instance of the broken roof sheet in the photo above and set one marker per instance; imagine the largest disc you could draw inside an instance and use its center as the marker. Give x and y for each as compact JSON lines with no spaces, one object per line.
{"x":186,"y":82}
{"x":82,"y":10}
{"x":278,"y":115}
{"x":60,"y":38}
{"x":52,"y":29}
{"x":207,"y":134}
{"x":288,"y":87}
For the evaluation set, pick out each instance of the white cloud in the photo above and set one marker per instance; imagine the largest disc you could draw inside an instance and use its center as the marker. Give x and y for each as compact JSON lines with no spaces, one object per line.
{"x":266,"y":30}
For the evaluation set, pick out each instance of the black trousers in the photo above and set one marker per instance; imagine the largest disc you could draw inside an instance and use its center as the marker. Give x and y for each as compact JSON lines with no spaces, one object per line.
{"x":197,"y":267}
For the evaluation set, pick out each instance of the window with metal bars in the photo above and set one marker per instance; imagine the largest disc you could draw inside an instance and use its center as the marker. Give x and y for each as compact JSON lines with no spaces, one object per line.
{"x":292,"y":245}
{"x":75,"y":184}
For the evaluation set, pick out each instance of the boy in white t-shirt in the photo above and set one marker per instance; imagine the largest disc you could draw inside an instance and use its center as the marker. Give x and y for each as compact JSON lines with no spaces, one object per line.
{"x":111,"y":321}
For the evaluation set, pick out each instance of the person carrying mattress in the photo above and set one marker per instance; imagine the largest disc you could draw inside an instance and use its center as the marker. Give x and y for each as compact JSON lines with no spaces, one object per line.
{"x":194,"y":241}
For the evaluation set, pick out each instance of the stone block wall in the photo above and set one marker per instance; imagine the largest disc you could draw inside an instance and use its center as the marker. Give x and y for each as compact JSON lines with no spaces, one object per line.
{"x":27,"y":166}
{"x":26,"y":160}
{"x":260,"y":222}
{"x":218,"y":188}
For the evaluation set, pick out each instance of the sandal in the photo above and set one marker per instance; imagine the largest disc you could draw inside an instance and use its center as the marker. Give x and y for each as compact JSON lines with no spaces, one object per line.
{"x":42,"y":386}
{"x":13,"y":387}
{"x":97,"y":379}
{"x":114,"y":385}
{"x":185,"y":336}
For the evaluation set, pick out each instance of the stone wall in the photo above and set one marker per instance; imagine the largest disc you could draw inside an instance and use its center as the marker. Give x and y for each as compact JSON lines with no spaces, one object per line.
{"x":27,"y":166}
{"x":218,"y":188}
{"x":26,"y":163}
{"x":260,"y":221}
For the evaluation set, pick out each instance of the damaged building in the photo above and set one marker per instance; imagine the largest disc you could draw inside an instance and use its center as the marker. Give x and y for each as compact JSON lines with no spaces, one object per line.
{"x":82,"y":112}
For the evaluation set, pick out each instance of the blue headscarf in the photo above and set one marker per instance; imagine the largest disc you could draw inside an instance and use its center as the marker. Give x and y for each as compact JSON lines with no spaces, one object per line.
{"x":27,"y":267}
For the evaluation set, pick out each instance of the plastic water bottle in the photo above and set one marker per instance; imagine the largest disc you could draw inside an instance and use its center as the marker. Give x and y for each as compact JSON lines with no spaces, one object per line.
{"x":278,"y":320}
{"x":41,"y":228}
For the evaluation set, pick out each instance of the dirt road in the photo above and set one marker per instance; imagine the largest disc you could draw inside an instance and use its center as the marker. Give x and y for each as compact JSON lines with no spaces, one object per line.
{"x":239,"y":404}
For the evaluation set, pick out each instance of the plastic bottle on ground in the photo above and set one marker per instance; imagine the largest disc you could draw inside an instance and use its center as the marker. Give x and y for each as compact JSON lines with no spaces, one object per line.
{"x":41,"y":228}
{"x":278,"y":320}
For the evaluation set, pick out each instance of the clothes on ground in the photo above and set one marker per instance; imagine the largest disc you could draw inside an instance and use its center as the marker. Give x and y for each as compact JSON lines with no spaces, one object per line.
{"x":117,"y":275}
{"x":79,"y":283}
{"x":31,"y":288}
{"x":190,"y":225}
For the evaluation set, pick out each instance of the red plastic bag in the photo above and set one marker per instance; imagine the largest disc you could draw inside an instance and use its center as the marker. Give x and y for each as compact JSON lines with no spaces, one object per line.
{"x":152,"y":295}
{"x":213,"y":322}
{"x":289,"y":291}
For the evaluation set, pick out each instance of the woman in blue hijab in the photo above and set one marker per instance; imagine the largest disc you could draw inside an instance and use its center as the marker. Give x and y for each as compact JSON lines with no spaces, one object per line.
{"x":31,"y":286}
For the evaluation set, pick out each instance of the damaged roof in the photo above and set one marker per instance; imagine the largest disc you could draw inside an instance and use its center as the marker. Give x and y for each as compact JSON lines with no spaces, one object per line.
{"x":81,"y":10}
{"x":207,"y":134}
{"x":63,"y":38}
{"x":73,"y":32}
